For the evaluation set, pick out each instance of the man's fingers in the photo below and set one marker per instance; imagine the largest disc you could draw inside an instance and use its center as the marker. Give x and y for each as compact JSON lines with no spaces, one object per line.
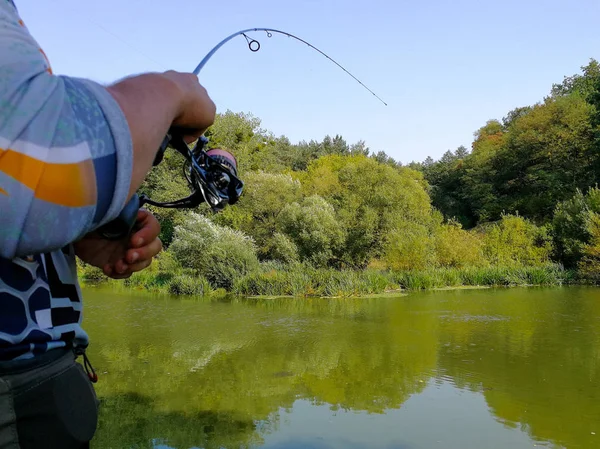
{"x":139,"y":266}
{"x":149,"y":229}
{"x":144,"y":253}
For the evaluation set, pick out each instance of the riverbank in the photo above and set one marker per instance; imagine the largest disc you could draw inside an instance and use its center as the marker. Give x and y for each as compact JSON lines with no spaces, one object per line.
{"x":305,"y":281}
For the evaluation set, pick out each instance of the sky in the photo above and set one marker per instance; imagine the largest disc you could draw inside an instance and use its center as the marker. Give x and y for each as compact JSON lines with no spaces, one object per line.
{"x":443,"y":67}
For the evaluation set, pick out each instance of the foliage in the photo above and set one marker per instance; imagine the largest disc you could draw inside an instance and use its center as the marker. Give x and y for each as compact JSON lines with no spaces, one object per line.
{"x":218,"y":253}
{"x":305,"y":281}
{"x":457,"y":248}
{"x":536,"y":157}
{"x":370,"y":200}
{"x":571,"y":226}
{"x":313,"y":227}
{"x":409,"y":246}
{"x":513,"y":200}
{"x":281,"y":248}
{"x":265,"y":195}
{"x":493,"y":276}
{"x":589,"y":265}
{"x":514,"y":240}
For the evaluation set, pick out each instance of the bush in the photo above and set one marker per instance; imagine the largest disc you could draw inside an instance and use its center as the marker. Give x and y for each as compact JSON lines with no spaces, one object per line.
{"x":516,"y":241}
{"x":90,"y":274}
{"x":215,"y":252}
{"x":589,"y":265}
{"x":281,"y":248}
{"x":455,"y":247}
{"x":571,"y":228}
{"x":185,"y":284}
{"x":312,"y":225}
{"x":409,"y":246}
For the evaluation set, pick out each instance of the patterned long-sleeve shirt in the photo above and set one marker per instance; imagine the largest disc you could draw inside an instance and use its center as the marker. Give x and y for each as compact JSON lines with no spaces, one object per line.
{"x":65,"y":169}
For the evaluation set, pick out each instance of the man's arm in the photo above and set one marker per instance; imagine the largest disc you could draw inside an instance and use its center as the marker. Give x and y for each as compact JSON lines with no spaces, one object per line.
{"x":72,"y":152}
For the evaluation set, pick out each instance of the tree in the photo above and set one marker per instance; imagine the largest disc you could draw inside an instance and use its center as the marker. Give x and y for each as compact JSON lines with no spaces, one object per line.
{"x":266,"y":194}
{"x":570,"y":225}
{"x":313,"y":226}
{"x":585,"y":84}
{"x":370,"y":199}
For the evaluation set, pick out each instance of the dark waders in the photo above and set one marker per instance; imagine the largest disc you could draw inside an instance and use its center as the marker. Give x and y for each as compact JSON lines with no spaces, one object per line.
{"x":46,"y":403}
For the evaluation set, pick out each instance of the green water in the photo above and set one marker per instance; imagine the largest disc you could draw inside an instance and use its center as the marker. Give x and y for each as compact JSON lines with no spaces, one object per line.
{"x":465,"y":369}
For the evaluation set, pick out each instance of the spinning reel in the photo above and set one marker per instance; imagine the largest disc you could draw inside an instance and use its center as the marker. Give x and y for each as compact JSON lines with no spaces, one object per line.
{"x":211,"y":176}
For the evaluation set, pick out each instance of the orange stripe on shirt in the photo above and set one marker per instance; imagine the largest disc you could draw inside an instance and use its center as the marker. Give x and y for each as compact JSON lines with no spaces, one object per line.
{"x":71,"y":185}
{"x":3,"y":192}
{"x":49,"y":68}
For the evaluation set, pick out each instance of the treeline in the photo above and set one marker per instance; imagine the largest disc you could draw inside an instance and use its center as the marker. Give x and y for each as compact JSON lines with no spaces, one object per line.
{"x":328,"y":217}
{"x":541,"y":162}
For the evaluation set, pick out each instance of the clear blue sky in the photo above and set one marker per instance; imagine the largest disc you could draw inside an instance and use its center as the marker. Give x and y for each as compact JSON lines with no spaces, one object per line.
{"x":444,"y":67}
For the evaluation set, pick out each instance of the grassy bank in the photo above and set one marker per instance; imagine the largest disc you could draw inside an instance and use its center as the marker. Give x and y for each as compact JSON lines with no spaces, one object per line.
{"x":302,"y":280}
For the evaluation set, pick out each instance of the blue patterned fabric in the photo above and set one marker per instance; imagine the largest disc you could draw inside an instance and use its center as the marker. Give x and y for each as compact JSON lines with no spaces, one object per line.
{"x":65,"y":169}
{"x":40,"y":305}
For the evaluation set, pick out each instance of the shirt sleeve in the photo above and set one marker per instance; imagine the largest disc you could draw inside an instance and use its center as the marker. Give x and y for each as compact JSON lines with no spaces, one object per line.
{"x":65,"y":149}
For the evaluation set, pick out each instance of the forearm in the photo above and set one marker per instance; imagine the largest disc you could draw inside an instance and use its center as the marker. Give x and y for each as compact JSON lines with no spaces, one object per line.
{"x":150,"y":103}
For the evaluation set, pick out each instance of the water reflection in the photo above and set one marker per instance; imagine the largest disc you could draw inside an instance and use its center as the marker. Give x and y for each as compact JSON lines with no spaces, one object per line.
{"x":481,"y":369}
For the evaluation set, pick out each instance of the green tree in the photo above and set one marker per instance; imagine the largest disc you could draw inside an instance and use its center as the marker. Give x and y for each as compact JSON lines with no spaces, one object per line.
{"x":266,"y":194}
{"x":571,"y":228}
{"x":585,"y":84}
{"x":447,"y":187}
{"x":313,"y":226}
{"x":589,"y":265}
{"x":370,"y":200}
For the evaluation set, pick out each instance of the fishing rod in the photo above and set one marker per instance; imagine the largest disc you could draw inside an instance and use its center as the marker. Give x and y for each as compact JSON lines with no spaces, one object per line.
{"x":211,"y":174}
{"x":254,"y":46}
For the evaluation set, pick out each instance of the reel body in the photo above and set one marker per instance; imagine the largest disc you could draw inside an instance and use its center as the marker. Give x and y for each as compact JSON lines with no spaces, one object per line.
{"x":211,"y":175}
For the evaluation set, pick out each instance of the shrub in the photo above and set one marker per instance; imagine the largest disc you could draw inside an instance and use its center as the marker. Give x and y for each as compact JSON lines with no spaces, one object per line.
{"x":312,"y":225}
{"x":185,"y":284}
{"x":90,"y":274}
{"x":589,"y":265}
{"x":218,"y":253}
{"x":455,"y":247}
{"x":281,"y":248}
{"x":516,"y":241}
{"x":408,"y":247}
{"x":571,"y":228}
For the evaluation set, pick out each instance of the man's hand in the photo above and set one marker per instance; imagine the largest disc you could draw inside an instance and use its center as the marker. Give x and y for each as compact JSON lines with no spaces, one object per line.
{"x":119,"y":259}
{"x":156,"y":102}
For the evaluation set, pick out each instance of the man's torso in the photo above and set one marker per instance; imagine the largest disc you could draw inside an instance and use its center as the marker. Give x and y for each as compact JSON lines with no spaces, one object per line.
{"x":41,"y":305}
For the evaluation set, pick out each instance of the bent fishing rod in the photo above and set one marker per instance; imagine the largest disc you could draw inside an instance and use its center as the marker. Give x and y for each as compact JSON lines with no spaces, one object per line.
{"x":211,"y":174}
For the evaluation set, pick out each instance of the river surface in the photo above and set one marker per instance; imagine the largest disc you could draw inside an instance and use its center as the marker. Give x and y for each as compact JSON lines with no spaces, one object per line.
{"x":463,"y":369}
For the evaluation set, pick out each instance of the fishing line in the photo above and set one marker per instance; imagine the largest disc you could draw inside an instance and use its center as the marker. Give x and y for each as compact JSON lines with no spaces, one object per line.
{"x":254,"y":46}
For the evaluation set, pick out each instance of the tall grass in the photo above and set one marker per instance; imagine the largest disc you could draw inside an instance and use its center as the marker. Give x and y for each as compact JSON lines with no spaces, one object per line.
{"x":161,"y":277}
{"x":306,"y":281}
{"x":482,"y":276}
{"x":302,"y":280}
